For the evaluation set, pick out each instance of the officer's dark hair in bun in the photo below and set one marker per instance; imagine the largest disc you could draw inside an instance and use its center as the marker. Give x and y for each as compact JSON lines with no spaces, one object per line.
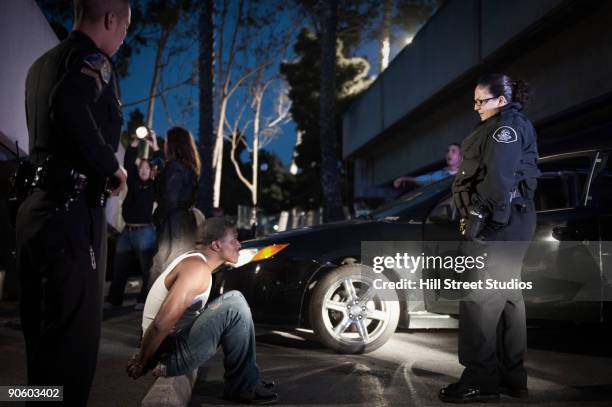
{"x":214,"y":229}
{"x":502,"y":85}
{"x":93,"y":10}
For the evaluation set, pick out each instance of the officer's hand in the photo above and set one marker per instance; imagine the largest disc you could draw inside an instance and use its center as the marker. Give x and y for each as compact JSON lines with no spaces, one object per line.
{"x":135,"y":367}
{"x":121,"y":175}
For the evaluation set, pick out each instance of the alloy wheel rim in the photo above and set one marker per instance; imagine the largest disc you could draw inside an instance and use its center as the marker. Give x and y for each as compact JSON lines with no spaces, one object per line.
{"x":353,"y":312}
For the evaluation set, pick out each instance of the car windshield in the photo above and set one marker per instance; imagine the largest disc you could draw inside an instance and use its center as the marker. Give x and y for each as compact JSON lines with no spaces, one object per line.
{"x":411,"y":199}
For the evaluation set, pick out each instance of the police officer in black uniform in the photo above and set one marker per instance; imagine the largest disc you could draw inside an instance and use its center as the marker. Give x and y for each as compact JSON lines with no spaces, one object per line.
{"x":494,"y":192}
{"x":74,"y":121}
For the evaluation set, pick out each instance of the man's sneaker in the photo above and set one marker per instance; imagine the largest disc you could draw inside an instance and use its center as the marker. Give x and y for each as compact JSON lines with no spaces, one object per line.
{"x":139,"y":306}
{"x":262,"y":394}
{"x":109,"y":306}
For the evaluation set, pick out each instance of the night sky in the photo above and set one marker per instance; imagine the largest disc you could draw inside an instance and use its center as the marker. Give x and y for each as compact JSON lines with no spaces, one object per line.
{"x":136,"y":86}
{"x":169,"y":110}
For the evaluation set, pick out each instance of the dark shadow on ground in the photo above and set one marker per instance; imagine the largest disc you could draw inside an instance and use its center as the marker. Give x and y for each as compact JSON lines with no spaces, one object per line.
{"x":590,"y":340}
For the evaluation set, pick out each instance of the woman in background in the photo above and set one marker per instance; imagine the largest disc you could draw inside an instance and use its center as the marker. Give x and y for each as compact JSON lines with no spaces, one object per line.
{"x":176,"y":218}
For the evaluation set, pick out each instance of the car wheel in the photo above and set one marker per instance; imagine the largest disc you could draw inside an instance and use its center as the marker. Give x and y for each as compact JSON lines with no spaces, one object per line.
{"x":348,"y":314}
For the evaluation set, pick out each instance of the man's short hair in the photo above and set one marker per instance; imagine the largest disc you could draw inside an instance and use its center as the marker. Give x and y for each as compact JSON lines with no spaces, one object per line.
{"x":214,"y":229}
{"x":455,"y":144}
{"x":93,"y":10}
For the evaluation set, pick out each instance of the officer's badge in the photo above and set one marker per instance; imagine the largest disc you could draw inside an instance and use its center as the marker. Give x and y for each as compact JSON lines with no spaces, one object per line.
{"x":99,"y":63}
{"x":505,"y":134}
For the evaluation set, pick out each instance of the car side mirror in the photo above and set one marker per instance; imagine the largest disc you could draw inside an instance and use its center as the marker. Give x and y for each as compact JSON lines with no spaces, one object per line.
{"x":443,"y":213}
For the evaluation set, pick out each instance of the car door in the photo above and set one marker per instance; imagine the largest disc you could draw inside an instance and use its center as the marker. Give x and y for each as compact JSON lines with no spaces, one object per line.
{"x":562,"y":261}
{"x":601,"y":197}
{"x":441,"y":238}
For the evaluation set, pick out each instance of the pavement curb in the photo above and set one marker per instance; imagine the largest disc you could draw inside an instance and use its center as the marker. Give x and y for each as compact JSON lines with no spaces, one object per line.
{"x":170,"y":391}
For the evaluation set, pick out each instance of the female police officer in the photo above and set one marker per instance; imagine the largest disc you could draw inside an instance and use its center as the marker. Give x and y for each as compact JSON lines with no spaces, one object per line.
{"x":493,"y":191}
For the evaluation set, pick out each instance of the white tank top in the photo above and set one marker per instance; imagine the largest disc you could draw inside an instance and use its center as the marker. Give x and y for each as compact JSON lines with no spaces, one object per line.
{"x":158,"y":294}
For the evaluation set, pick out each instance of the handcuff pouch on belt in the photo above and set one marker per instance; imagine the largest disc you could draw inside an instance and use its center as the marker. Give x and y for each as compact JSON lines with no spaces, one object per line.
{"x":63,"y":183}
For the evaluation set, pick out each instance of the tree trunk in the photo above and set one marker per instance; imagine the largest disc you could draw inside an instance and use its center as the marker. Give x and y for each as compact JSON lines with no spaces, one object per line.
{"x":157,"y":67}
{"x":206,"y":130}
{"x":218,"y":153}
{"x":330,"y":177}
{"x":256,"y":120}
{"x":385,"y":42}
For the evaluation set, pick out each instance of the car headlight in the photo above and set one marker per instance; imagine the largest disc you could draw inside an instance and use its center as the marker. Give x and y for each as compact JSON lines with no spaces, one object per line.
{"x":257,"y":254}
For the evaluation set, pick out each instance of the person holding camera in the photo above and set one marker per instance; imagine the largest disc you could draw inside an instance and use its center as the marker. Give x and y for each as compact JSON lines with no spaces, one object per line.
{"x":494,"y":191}
{"x":138,"y":238}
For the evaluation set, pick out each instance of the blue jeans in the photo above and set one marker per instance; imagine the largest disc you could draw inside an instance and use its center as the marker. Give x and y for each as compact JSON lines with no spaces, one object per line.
{"x":226,"y":321}
{"x":139,"y":242}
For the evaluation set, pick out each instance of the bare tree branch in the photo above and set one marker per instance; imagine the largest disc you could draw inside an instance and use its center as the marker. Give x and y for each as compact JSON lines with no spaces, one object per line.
{"x":188,"y":81}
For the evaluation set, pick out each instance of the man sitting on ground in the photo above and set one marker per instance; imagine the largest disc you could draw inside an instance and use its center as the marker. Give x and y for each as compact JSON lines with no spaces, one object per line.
{"x":181,"y":331}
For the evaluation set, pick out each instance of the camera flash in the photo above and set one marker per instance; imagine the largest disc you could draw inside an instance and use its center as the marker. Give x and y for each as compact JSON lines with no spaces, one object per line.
{"x":142,"y":132}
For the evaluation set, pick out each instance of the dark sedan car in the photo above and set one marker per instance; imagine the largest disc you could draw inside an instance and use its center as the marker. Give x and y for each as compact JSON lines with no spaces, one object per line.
{"x":312,"y":277}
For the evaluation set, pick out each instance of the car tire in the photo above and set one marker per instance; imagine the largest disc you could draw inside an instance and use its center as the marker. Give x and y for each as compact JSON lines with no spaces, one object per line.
{"x":342,"y":320}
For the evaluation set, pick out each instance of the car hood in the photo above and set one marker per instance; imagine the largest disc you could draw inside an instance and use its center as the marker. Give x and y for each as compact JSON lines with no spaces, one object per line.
{"x":290,"y":234}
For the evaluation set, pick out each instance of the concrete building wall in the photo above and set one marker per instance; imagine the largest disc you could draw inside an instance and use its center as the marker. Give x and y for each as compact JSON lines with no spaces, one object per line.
{"x":502,"y":20}
{"x":444,"y":49}
{"x":568,"y":66}
{"x":25,"y":34}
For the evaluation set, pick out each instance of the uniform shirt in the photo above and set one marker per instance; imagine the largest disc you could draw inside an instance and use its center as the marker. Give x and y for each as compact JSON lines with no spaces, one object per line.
{"x":435,"y":176}
{"x":73,"y":109}
{"x":159,"y":292}
{"x":499,"y":154}
{"x":138,"y":203}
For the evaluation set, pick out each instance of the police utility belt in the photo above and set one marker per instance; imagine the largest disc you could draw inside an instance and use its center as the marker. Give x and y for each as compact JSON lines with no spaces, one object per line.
{"x":64,"y":184}
{"x":474,"y":218}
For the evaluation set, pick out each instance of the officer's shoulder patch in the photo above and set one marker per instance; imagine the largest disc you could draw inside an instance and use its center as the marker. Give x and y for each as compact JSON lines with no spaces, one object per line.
{"x":93,"y":74}
{"x":99,"y":63}
{"x":505,"y":134}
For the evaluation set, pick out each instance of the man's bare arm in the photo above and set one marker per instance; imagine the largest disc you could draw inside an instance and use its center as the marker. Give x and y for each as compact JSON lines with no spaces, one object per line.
{"x":192,"y":279}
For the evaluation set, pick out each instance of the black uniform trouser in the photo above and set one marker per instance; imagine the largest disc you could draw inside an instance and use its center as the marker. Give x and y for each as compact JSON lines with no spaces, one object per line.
{"x":492,"y":326}
{"x":61,"y":292}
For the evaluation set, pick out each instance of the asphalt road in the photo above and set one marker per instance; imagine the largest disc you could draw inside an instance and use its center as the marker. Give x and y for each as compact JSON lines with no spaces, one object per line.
{"x":571,"y":369}
{"x":568,"y":366}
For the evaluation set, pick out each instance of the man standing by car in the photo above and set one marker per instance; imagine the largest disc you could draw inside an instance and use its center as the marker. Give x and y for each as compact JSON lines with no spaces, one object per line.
{"x":74,"y":122}
{"x":494,"y":192}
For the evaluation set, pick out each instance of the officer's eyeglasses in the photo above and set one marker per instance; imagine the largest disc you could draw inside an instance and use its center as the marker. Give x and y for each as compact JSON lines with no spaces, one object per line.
{"x":480,"y":102}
